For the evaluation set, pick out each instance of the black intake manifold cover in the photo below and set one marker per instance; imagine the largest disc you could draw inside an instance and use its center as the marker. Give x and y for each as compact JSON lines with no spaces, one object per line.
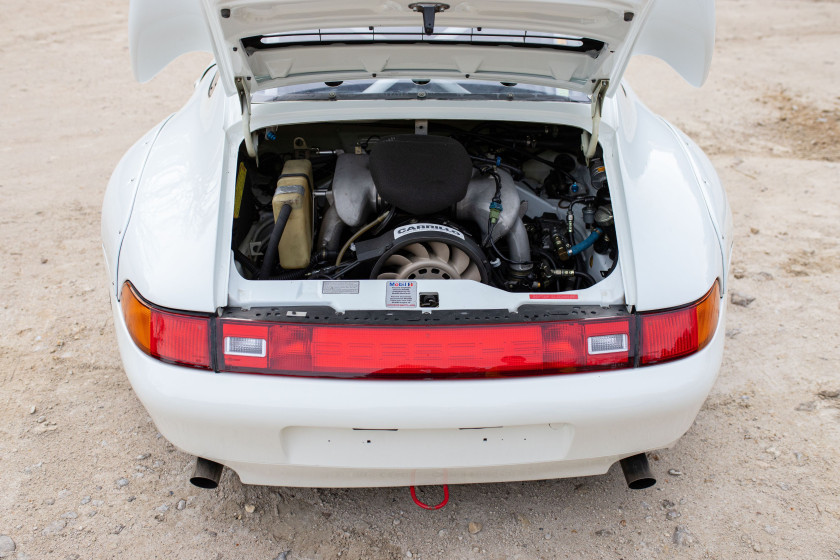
{"x":420,"y":174}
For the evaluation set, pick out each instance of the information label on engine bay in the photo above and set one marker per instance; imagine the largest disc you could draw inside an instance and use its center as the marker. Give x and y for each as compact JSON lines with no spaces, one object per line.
{"x":340,"y":287}
{"x":401,"y":293}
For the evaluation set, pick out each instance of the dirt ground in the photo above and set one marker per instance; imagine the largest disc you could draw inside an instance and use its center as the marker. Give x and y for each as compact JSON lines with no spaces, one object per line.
{"x":84,"y":473}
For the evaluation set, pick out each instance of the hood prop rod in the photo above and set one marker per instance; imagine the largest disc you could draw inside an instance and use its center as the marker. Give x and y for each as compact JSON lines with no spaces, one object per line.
{"x":245,"y":105}
{"x":590,"y":141}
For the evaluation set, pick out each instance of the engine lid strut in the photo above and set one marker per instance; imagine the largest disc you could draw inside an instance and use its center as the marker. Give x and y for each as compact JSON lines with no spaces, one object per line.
{"x":589,"y":142}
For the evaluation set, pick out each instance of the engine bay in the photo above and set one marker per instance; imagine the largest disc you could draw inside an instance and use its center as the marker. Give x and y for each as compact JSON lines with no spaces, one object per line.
{"x":512,"y":205}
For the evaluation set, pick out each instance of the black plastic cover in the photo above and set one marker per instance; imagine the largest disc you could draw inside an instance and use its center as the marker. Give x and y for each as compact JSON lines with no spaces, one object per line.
{"x":420,"y":174}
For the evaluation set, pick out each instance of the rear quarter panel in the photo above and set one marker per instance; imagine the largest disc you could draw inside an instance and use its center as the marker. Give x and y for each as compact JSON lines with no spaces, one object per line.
{"x":670,"y":249}
{"x":169,"y":251}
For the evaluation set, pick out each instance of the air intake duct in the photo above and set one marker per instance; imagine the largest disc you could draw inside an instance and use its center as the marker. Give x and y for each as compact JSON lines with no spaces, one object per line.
{"x":418,"y":174}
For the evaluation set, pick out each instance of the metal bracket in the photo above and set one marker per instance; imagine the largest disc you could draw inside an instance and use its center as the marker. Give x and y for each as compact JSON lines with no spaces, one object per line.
{"x":428,"y":9}
{"x":245,"y":106}
{"x":589,"y":142}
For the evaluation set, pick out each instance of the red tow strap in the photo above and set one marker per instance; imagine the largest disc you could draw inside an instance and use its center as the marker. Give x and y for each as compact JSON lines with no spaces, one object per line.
{"x":427,"y":506}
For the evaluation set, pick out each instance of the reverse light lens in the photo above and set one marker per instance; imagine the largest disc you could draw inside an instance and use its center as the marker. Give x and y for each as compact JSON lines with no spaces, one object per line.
{"x":607,"y":344}
{"x":669,"y":335}
{"x":170,"y":337}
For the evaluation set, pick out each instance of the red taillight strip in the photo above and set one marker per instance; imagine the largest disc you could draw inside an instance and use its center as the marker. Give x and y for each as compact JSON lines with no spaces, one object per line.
{"x":411,"y":352}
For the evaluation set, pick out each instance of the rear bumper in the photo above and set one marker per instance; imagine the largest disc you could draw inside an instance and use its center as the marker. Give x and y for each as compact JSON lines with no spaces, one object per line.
{"x":349,"y":433}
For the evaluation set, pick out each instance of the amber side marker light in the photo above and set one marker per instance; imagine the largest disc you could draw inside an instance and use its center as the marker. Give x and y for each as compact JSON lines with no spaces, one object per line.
{"x":170,"y":337}
{"x":673,"y":334}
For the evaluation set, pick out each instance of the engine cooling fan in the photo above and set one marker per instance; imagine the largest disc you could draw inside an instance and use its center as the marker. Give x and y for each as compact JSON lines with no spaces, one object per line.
{"x":425,"y":251}
{"x":429,"y":259}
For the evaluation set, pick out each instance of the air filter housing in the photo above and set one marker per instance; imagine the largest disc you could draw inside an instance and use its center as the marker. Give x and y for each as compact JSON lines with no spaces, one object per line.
{"x":420,"y":174}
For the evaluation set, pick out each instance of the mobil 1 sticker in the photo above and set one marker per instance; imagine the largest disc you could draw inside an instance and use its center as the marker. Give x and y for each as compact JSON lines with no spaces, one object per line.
{"x":401,"y":293}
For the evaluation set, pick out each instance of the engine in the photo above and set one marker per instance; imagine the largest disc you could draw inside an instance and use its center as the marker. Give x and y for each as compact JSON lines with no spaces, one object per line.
{"x":458,"y":206}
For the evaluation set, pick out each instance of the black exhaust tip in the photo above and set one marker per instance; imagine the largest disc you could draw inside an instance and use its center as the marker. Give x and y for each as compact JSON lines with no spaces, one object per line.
{"x":207,"y":473}
{"x":637,"y":472}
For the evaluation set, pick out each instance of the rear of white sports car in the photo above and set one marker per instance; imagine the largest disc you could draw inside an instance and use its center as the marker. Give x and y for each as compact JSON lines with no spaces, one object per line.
{"x":419,"y":247}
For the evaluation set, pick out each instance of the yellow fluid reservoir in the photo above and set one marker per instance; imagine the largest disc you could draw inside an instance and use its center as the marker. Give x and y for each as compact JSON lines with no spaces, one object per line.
{"x":295,"y":187}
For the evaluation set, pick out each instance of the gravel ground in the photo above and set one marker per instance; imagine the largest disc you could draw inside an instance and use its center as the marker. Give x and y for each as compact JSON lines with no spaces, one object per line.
{"x":84,"y":473}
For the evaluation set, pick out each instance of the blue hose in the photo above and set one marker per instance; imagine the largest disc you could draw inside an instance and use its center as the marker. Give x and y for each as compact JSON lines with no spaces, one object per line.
{"x":586,"y":243}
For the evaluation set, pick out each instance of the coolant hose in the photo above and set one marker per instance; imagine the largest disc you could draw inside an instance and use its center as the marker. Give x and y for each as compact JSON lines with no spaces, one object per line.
{"x":586,"y":243}
{"x":271,"y":252}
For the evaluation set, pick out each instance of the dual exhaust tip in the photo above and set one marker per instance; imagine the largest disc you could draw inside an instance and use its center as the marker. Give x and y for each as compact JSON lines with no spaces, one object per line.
{"x":207,"y":473}
{"x":636,"y":472}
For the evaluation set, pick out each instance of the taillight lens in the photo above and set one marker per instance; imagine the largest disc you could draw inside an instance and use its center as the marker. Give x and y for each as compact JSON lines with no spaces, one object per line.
{"x":393,"y":352}
{"x":669,"y":335}
{"x":421,"y":352}
{"x":171,"y":337}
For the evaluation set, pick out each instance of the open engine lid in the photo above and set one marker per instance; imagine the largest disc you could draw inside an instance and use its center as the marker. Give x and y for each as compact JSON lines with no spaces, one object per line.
{"x":570,"y":44}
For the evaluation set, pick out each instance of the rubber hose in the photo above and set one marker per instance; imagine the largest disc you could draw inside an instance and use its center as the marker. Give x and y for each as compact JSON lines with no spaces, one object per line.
{"x":586,"y":243}
{"x":586,"y":277}
{"x":272,"y":251}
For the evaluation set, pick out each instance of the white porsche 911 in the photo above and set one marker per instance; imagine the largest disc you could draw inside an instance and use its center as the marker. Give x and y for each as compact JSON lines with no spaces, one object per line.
{"x":396,"y":243}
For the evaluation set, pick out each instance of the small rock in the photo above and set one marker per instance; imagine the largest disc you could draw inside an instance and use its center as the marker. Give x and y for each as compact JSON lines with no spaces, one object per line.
{"x":408,"y":554}
{"x":121,"y":483}
{"x":773,"y":451}
{"x":604,"y":532}
{"x":249,"y":508}
{"x":799,"y":456}
{"x":837,"y":552}
{"x":754,"y":230}
{"x":7,"y":546}
{"x":740,"y":299}
{"x":833,"y":394}
{"x":548,"y":536}
{"x":159,"y":516}
{"x":54,"y":527}
{"x":142,"y":456}
{"x":181,"y":505}
{"x":522,"y":520}
{"x":85,"y":500}
{"x":41,"y":419}
{"x":732,"y":333}
{"x":117,"y":530}
{"x":97,"y":503}
{"x":70,"y":515}
{"x":764,"y":276}
{"x":33,"y":409}
{"x":396,"y":521}
{"x":163,"y":509}
{"x":757,"y":547}
{"x":44,"y":260}
{"x":673,"y":514}
{"x":674,"y":472}
{"x":131,"y":499}
{"x":809,"y":406}
{"x":474,"y":527}
{"x":784,"y":486}
{"x":667,"y":504}
{"x":92,"y":513}
{"x":49,"y":501}
{"x":442,"y":533}
{"x":769,"y":529}
{"x":282,"y":555}
{"x":682,"y":537}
